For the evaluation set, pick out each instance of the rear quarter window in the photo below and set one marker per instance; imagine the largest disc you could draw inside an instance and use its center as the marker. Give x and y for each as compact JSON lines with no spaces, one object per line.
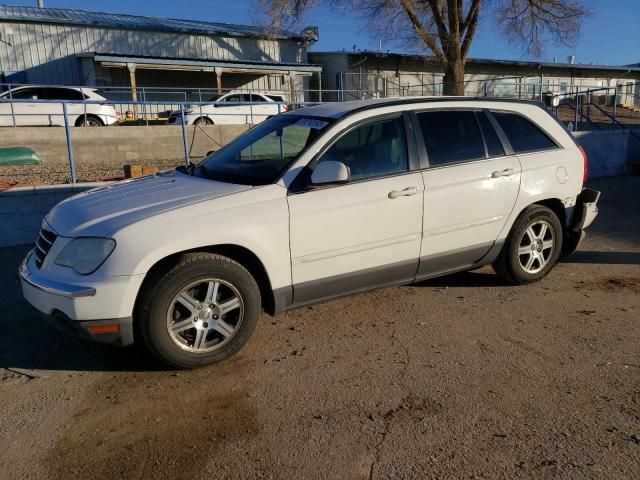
{"x":523,"y":134}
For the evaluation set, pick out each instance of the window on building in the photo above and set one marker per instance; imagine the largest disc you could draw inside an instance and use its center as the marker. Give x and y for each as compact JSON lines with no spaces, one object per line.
{"x":564,"y":86}
{"x":523,"y":135}
{"x":451,"y":136}
{"x":371,"y":150}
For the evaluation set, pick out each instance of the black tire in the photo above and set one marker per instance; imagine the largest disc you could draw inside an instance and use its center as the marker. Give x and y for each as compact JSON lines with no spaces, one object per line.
{"x":509,"y":266}
{"x":89,"y":121}
{"x":157,"y":300}
{"x":203,"y":121}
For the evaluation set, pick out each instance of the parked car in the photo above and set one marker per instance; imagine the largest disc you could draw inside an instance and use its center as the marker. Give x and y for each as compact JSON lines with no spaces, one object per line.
{"x":307,"y":206}
{"x":232,"y":108}
{"x":50,"y":114}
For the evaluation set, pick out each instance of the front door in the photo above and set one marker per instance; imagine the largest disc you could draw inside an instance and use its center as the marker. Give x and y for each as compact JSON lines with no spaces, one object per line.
{"x":471,"y":188}
{"x":365,"y":233}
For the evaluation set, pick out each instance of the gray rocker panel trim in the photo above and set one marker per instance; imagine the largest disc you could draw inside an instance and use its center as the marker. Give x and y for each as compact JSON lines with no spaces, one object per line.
{"x":402,"y":273}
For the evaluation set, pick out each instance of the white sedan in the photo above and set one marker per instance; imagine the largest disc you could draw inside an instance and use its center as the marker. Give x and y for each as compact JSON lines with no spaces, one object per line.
{"x":232,"y":108}
{"x":23,"y":113}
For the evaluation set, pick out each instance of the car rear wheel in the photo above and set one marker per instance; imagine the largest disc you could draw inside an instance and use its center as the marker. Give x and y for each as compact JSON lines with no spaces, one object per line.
{"x":200,"y":310}
{"x":89,"y":121}
{"x":203,"y":121}
{"x":532,"y":248}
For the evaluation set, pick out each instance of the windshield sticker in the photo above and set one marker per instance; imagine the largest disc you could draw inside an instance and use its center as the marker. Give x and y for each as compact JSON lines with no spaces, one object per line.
{"x":311,"y":123}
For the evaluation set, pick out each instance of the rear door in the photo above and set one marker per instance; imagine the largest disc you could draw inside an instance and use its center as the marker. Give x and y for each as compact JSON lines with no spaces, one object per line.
{"x":471,"y":186}
{"x":261,"y":108}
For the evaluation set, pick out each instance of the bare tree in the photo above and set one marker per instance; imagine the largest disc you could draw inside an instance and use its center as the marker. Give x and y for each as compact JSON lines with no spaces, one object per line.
{"x":447,"y":27}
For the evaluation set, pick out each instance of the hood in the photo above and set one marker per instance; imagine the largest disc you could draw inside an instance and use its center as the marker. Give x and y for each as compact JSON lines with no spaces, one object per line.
{"x":102,"y":211}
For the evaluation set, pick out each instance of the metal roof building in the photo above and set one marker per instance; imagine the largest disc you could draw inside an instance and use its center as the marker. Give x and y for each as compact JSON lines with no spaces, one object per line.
{"x":76,"y":47}
{"x":366,"y":74}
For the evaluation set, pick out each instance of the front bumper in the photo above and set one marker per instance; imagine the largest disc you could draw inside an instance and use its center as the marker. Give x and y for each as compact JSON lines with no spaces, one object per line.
{"x":91,"y":312}
{"x":585,"y":212}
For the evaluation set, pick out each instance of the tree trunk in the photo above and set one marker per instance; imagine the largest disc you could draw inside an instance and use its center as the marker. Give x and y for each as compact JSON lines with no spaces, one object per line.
{"x":454,"y":78}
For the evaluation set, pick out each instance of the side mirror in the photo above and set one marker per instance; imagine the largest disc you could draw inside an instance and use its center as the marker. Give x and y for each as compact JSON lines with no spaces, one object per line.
{"x":330,"y":172}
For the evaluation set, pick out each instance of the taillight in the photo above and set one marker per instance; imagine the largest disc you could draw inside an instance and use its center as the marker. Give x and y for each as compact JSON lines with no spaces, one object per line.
{"x":585,"y":168}
{"x":285,"y":108}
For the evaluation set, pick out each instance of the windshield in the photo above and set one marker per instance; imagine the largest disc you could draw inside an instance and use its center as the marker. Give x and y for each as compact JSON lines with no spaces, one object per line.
{"x":261,"y":155}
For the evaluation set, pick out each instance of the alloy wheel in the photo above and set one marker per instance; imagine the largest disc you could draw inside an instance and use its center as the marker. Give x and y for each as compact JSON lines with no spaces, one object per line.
{"x":536,"y":246}
{"x":205,"y":315}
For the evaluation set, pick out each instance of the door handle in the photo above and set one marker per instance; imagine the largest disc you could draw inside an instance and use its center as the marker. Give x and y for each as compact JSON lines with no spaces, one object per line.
{"x":407,"y":192}
{"x":502,"y":173}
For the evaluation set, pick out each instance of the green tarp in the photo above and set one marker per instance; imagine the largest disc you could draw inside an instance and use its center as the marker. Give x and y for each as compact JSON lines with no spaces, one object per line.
{"x":18,"y":156}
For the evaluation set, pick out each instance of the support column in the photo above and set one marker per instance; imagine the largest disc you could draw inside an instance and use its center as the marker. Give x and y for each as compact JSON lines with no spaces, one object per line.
{"x":219,"y":80}
{"x":134,"y":87}
{"x":132,"y":78}
{"x":292,"y":86}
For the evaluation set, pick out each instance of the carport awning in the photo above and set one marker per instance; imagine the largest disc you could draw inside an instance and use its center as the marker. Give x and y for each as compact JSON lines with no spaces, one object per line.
{"x":186,"y":64}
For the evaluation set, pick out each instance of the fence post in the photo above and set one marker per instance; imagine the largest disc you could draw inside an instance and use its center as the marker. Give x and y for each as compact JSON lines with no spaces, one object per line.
{"x":67,"y":131}
{"x":13,"y":113}
{"x":576,"y":104}
{"x":187,"y":160}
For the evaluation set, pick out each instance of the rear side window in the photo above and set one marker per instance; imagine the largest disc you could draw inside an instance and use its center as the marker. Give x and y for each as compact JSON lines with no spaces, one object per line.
{"x":63,"y":94}
{"x":451,"y":136}
{"x":523,"y":135}
{"x":494,"y":146}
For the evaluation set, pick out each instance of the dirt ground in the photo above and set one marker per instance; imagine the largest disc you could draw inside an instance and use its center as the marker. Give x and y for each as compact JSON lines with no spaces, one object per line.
{"x":455,"y":377}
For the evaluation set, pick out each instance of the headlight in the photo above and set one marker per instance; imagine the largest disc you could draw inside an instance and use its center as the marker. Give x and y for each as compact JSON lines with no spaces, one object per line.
{"x":85,"y":255}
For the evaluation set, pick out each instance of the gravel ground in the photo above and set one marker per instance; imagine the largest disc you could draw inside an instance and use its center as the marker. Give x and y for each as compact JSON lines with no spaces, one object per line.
{"x":455,"y":377}
{"x":56,"y":173}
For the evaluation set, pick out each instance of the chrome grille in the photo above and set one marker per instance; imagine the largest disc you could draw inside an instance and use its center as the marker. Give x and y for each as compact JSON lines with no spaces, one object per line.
{"x":43,"y":245}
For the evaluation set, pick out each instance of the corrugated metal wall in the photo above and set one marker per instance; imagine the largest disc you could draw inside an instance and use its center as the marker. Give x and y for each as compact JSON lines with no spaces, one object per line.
{"x":46,"y":51}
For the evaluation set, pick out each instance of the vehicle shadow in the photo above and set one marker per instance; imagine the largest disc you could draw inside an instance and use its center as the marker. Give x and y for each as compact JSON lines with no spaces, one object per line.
{"x":484,"y":277}
{"x":610,"y":258}
{"x":28,"y":342}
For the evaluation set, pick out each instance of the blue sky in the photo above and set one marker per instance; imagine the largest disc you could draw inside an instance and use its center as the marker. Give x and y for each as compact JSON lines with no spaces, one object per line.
{"x":610,"y":36}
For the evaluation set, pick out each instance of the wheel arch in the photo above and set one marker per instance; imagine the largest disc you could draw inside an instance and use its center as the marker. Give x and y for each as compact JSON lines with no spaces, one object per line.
{"x":245,"y":257}
{"x":204,"y":119}
{"x":557,"y":207}
{"x":82,"y":116}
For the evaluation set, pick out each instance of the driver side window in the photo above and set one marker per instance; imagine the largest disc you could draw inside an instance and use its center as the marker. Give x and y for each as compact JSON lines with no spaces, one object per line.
{"x":371,"y":150}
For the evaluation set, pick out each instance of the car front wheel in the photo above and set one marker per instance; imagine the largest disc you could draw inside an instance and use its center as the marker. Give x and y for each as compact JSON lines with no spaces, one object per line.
{"x":532,"y":248}
{"x":200,"y":310}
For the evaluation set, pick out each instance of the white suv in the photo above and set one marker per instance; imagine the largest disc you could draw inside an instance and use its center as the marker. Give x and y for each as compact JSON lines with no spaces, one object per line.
{"x":233,"y":108}
{"x":310,"y":205}
{"x":80,"y":114}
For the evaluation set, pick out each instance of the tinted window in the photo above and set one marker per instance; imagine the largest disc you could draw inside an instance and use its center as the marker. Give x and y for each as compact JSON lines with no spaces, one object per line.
{"x":257,"y":98}
{"x":373,"y":149}
{"x":494,"y":147}
{"x":451,"y":136}
{"x":523,"y":135}
{"x":62,"y":94}
{"x":233,"y":99}
{"x":276,"y":98}
{"x":27,"y":93}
